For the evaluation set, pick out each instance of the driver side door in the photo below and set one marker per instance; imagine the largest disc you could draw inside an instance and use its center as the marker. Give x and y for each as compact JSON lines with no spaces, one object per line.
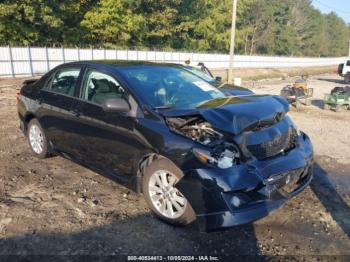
{"x":108,"y":141}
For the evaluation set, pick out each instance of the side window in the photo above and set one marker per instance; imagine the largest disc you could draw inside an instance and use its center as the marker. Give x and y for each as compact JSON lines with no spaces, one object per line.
{"x":99,"y":86}
{"x":65,"y":80}
{"x":348,"y":63}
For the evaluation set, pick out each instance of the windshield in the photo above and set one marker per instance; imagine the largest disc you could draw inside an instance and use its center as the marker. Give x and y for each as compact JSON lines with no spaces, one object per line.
{"x":169,"y":87}
{"x":200,"y":73}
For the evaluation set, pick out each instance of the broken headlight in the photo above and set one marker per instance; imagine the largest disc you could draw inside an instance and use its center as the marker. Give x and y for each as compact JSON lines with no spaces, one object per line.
{"x":224,"y":155}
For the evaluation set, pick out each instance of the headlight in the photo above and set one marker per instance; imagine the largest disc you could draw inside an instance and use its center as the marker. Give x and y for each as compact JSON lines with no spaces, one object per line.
{"x":223,"y":156}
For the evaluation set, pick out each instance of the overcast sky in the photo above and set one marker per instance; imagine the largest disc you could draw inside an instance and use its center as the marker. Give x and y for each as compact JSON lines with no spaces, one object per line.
{"x":341,"y":7}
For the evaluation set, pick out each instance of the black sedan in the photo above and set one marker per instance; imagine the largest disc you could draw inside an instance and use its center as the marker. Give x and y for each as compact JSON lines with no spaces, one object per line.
{"x":195,"y":152}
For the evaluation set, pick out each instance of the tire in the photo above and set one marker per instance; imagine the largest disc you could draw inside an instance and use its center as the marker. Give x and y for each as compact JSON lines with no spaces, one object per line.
{"x":347,"y":78}
{"x":326,"y":106}
{"x":37,"y":140}
{"x":307,"y":101}
{"x":338,"y":108}
{"x":158,"y":200}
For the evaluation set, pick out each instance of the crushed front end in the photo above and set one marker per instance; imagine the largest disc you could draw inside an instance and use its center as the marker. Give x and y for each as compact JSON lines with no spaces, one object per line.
{"x":245,"y":176}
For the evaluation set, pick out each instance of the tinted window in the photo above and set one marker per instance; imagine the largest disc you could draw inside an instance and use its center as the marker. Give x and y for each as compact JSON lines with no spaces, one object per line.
{"x":162,"y":86}
{"x":65,"y":80}
{"x":99,"y":86}
{"x":348,"y":63}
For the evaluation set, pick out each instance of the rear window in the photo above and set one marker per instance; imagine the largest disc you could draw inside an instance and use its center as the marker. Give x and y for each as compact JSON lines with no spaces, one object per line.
{"x":348,"y":63}
{"x":65,"y":81}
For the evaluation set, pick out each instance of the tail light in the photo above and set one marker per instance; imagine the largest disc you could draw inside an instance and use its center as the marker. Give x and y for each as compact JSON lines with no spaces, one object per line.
{"x":18,"y":96}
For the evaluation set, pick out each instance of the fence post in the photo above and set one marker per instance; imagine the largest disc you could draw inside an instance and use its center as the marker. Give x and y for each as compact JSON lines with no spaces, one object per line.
{"x":92,"y":53}
{"x":127,"y":54}
{"x":78,"y":49}
{"x":104,"y":53}
{"x":116,"y":54}
{"x":11,"y":62}
{"x":47,"y":59}
{"x":30,"y":60}
{"x":63,"y":56}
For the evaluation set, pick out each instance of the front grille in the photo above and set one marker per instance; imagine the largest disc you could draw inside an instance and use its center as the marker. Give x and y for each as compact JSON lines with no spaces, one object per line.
{"x":278,"y":144}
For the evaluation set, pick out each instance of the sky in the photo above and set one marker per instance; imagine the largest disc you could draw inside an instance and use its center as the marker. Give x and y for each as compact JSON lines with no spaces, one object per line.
{"x":341,"y":7}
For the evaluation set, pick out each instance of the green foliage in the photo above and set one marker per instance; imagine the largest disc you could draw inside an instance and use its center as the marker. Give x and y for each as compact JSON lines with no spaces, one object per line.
{"x":271,"y":27}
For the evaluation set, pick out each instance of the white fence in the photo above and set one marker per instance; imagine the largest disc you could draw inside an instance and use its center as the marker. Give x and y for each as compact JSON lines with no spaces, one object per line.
{"x":24,"y":61}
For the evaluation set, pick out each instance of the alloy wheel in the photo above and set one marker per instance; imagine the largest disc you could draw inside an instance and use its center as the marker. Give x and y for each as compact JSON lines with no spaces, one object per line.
{"x":36,"y":139}
{"x":167,"y":199}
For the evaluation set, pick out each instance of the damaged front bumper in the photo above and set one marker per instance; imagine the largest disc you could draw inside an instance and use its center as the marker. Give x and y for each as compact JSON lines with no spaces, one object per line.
{"x":244,"y":193}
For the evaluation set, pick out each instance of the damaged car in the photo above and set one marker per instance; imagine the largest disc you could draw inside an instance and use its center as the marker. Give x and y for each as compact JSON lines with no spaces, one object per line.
{"x":195,"y":152}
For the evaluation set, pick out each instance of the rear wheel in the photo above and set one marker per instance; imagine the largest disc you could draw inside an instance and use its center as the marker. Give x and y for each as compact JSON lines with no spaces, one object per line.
{"x":161,"y":195}
{"x":347,"y":78}
{"x":307,"y":101}
{"x":37,"y":139}
{"x":326,"y":106}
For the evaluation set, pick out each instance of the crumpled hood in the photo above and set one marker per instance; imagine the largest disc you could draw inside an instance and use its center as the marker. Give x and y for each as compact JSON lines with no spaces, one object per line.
{"x":234,"y":114}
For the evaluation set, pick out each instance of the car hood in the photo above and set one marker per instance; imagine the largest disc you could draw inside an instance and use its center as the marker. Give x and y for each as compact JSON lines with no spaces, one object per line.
{"x":236,"y":114}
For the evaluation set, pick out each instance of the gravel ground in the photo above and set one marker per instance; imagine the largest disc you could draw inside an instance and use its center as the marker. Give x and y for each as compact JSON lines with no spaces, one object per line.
{"x":55,"y":207}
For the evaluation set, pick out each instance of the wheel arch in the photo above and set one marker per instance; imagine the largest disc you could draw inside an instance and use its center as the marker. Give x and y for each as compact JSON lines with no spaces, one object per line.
{"x":145,"y":161}
{"x":27,"y":118}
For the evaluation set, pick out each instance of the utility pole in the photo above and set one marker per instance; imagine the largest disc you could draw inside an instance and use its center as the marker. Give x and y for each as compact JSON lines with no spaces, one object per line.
{"x":232,"y":44}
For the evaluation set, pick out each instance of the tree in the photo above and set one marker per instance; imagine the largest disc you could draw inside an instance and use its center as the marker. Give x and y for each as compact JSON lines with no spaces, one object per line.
{"x":272,"y":27}
{"x":112,"y":22}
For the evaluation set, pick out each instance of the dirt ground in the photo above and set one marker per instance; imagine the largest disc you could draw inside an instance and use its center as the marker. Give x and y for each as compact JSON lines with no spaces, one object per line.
{"x":55,"y":207}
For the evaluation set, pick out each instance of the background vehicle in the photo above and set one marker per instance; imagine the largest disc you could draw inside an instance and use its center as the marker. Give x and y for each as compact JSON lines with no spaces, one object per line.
{"x":344,"y":71}
{"x":159,"y":129}
{"x":338,"y":99}
{"x":298,"y":93}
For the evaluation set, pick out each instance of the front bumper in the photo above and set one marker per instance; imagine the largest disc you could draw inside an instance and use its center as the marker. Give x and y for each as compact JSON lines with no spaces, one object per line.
{"x":261,"y":186}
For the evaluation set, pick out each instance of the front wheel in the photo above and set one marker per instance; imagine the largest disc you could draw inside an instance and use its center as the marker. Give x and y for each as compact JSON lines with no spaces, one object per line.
{"x":161,"y":195}
{"x":339,"y":108}
{"x":37,"y":139}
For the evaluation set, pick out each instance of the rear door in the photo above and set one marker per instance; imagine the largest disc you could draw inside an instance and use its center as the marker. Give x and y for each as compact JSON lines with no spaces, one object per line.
{"x":58,"y":101}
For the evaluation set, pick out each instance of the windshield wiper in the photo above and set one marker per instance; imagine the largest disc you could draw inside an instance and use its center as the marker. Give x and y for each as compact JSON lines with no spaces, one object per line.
{"x":169,"y":106}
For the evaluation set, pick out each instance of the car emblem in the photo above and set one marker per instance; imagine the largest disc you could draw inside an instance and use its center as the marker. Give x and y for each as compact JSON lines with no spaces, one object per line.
{"x":277,"y":140}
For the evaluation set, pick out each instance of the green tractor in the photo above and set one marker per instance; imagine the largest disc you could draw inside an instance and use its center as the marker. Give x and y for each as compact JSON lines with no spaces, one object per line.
{"x":338,"y":99}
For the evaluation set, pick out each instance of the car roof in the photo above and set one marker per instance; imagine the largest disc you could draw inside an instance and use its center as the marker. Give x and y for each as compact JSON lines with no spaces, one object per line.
{"x":123,"y":63}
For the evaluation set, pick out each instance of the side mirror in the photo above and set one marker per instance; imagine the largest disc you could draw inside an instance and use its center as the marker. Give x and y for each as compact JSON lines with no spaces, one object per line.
{"x":218,"y":78}
{"x":116,"y":105}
